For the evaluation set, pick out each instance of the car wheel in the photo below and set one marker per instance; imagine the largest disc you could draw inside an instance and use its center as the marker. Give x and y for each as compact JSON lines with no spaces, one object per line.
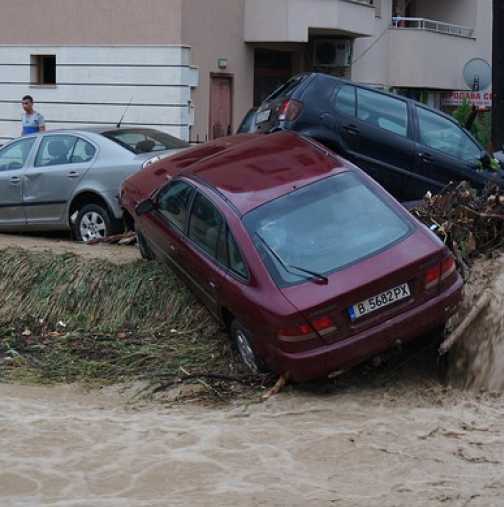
{"x":243,"y":342}
{"x":144,"y":247}
{"x":94,"y":222}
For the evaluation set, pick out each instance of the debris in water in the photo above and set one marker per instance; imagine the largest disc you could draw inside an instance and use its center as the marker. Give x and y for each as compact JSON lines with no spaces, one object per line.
{"x":280,"y":384}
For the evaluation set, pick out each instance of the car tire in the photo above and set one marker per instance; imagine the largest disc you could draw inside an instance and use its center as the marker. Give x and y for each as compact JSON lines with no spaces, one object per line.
{"x":143,"y":246}
{"x":94,"y":222}
{"x":243,"y":342}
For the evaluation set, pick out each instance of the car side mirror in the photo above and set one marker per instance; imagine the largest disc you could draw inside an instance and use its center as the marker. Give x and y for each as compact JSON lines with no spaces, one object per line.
{"x":144,"y":207}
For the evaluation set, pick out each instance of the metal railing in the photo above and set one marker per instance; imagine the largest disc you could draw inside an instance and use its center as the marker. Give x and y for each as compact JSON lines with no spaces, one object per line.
{"x":365,"y":2}
{"x":432,"y":26}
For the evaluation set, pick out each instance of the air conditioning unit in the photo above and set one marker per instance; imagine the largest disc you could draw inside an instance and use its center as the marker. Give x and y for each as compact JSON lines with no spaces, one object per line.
{"x":332,"y":53}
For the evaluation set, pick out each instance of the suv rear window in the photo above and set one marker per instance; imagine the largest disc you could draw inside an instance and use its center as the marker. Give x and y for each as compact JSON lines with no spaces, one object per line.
{"x":287,"y":88}
{"x":323,"y":227}
{"x":144,"y":140}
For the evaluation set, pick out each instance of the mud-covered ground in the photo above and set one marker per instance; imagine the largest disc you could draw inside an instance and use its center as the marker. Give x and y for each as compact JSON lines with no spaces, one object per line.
{"x":60,"y":243}
{"x":384,"y":435}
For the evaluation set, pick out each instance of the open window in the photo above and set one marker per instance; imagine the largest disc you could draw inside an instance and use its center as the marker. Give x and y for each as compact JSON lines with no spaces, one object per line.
{"x":43,"y":69}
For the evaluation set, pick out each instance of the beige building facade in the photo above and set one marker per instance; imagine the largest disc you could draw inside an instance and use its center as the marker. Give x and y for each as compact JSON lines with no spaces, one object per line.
{"x":194,"y":67}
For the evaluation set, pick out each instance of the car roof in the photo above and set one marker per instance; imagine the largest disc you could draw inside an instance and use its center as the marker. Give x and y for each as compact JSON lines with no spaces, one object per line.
{"x":252,"y":169}
{"x":320,"y":75}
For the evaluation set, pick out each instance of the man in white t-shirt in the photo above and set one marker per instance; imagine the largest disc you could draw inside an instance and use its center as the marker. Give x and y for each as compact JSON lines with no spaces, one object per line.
{"x":31,"y":121}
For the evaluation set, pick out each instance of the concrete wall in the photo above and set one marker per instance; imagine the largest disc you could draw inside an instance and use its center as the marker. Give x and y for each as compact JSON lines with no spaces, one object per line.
{"x":457,"y":12}
{"x":438,"y":62}
{"x":90,"y":21}
{"x":290,"y":20}
{"x":483,"y":29}
{"x":94,"y":85}
{"x":371,"y":54}
{"x":214,"y":29}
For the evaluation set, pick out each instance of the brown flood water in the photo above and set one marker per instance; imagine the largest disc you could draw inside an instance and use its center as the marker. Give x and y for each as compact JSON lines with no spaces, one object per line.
{"x":406,"y":442}
{"x":354,"y":446}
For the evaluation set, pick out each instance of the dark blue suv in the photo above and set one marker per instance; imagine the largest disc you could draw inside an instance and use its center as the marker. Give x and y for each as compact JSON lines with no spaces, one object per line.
{"x":406,"y":146}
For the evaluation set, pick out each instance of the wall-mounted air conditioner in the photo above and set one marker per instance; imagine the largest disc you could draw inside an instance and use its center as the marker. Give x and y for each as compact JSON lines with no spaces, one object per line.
{"x":332,"y":53}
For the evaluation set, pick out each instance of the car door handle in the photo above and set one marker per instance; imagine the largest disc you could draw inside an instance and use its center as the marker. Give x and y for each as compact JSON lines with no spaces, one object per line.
{"x":172,"y":248}
{"x":14,"y":180}
{"x":212,"y":285}
{"x":425,"y":157}
{"x":73,"y":174}
{"x":352,"y":130}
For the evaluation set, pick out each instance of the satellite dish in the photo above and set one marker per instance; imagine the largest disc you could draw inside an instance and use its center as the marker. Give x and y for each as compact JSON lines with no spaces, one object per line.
{"x":478,"y":74}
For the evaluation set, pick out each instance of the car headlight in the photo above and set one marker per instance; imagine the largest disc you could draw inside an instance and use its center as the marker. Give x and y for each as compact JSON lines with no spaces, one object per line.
{"x":150,"y":161}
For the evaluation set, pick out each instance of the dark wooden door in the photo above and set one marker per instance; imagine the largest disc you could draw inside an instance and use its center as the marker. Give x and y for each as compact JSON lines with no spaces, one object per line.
{"x":221,"y":105}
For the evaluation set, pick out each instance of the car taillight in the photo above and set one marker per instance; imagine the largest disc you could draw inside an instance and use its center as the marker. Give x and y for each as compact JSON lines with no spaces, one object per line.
{"x":289,"y":110}
{"x":447,"y":267}
{"x":439,"y":272}
{"x":303,"y":332}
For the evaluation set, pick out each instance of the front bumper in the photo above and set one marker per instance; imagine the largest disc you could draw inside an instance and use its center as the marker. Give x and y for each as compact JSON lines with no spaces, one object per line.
{"x":320,"y":362}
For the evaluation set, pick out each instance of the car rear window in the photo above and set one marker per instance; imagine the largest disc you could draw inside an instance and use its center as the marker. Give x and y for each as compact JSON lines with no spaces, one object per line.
{"x":287,"y":88}
{"x":144,"y":140}
{"x":323,"y":227}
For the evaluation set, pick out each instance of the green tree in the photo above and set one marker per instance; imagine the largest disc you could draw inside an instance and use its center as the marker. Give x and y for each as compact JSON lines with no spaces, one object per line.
{"x":481,"y":128}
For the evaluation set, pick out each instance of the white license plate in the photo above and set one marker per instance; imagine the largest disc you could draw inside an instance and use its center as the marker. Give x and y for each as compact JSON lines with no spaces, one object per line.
{"x":381,"y":300}
{"x":262,"y":116}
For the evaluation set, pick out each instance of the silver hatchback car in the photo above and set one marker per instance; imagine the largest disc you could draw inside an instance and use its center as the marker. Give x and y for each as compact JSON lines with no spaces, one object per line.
{"x":70,"y":179}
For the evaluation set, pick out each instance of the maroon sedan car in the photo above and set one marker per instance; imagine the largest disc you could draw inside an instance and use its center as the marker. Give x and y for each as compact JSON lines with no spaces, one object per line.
{"x":309,"y":263}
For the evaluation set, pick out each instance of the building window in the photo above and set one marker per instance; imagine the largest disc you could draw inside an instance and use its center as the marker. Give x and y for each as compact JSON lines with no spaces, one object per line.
{"x":43,"y":69}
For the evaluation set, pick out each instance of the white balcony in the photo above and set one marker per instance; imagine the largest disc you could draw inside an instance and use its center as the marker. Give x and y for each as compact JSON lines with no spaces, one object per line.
{"x":432,"y":25}
{"x":291,"y":20}
{"x":430,"y":55}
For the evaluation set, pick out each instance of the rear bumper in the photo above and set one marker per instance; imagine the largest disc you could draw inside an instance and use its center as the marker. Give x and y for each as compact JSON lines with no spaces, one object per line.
{"x":320,"y":362}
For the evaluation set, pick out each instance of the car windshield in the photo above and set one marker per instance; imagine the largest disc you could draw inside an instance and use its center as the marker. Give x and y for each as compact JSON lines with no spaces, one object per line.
{"x":144,"y":140}
{"x":323,"y":227}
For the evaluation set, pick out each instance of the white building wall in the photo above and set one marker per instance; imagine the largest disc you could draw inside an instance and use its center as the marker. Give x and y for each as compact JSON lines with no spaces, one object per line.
{"x":371,"y":54}
{"x":95,"y":84}
{"x":458,"y":12}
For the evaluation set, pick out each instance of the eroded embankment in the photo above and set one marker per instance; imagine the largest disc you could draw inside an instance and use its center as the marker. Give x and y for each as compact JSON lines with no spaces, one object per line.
{"x":64,"y":318}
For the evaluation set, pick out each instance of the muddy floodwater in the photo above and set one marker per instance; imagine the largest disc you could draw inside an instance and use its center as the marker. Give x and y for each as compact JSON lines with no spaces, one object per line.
{"x":354,"y":446}
{"x":383,"y":436}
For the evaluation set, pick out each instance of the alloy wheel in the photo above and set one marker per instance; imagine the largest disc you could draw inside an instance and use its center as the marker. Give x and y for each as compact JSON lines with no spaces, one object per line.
{"x":92,"y":226}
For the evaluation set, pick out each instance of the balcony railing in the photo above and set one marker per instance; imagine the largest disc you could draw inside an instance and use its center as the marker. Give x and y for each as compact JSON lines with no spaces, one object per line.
{"x":365,"y":2}
{"x":432,"y":26}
